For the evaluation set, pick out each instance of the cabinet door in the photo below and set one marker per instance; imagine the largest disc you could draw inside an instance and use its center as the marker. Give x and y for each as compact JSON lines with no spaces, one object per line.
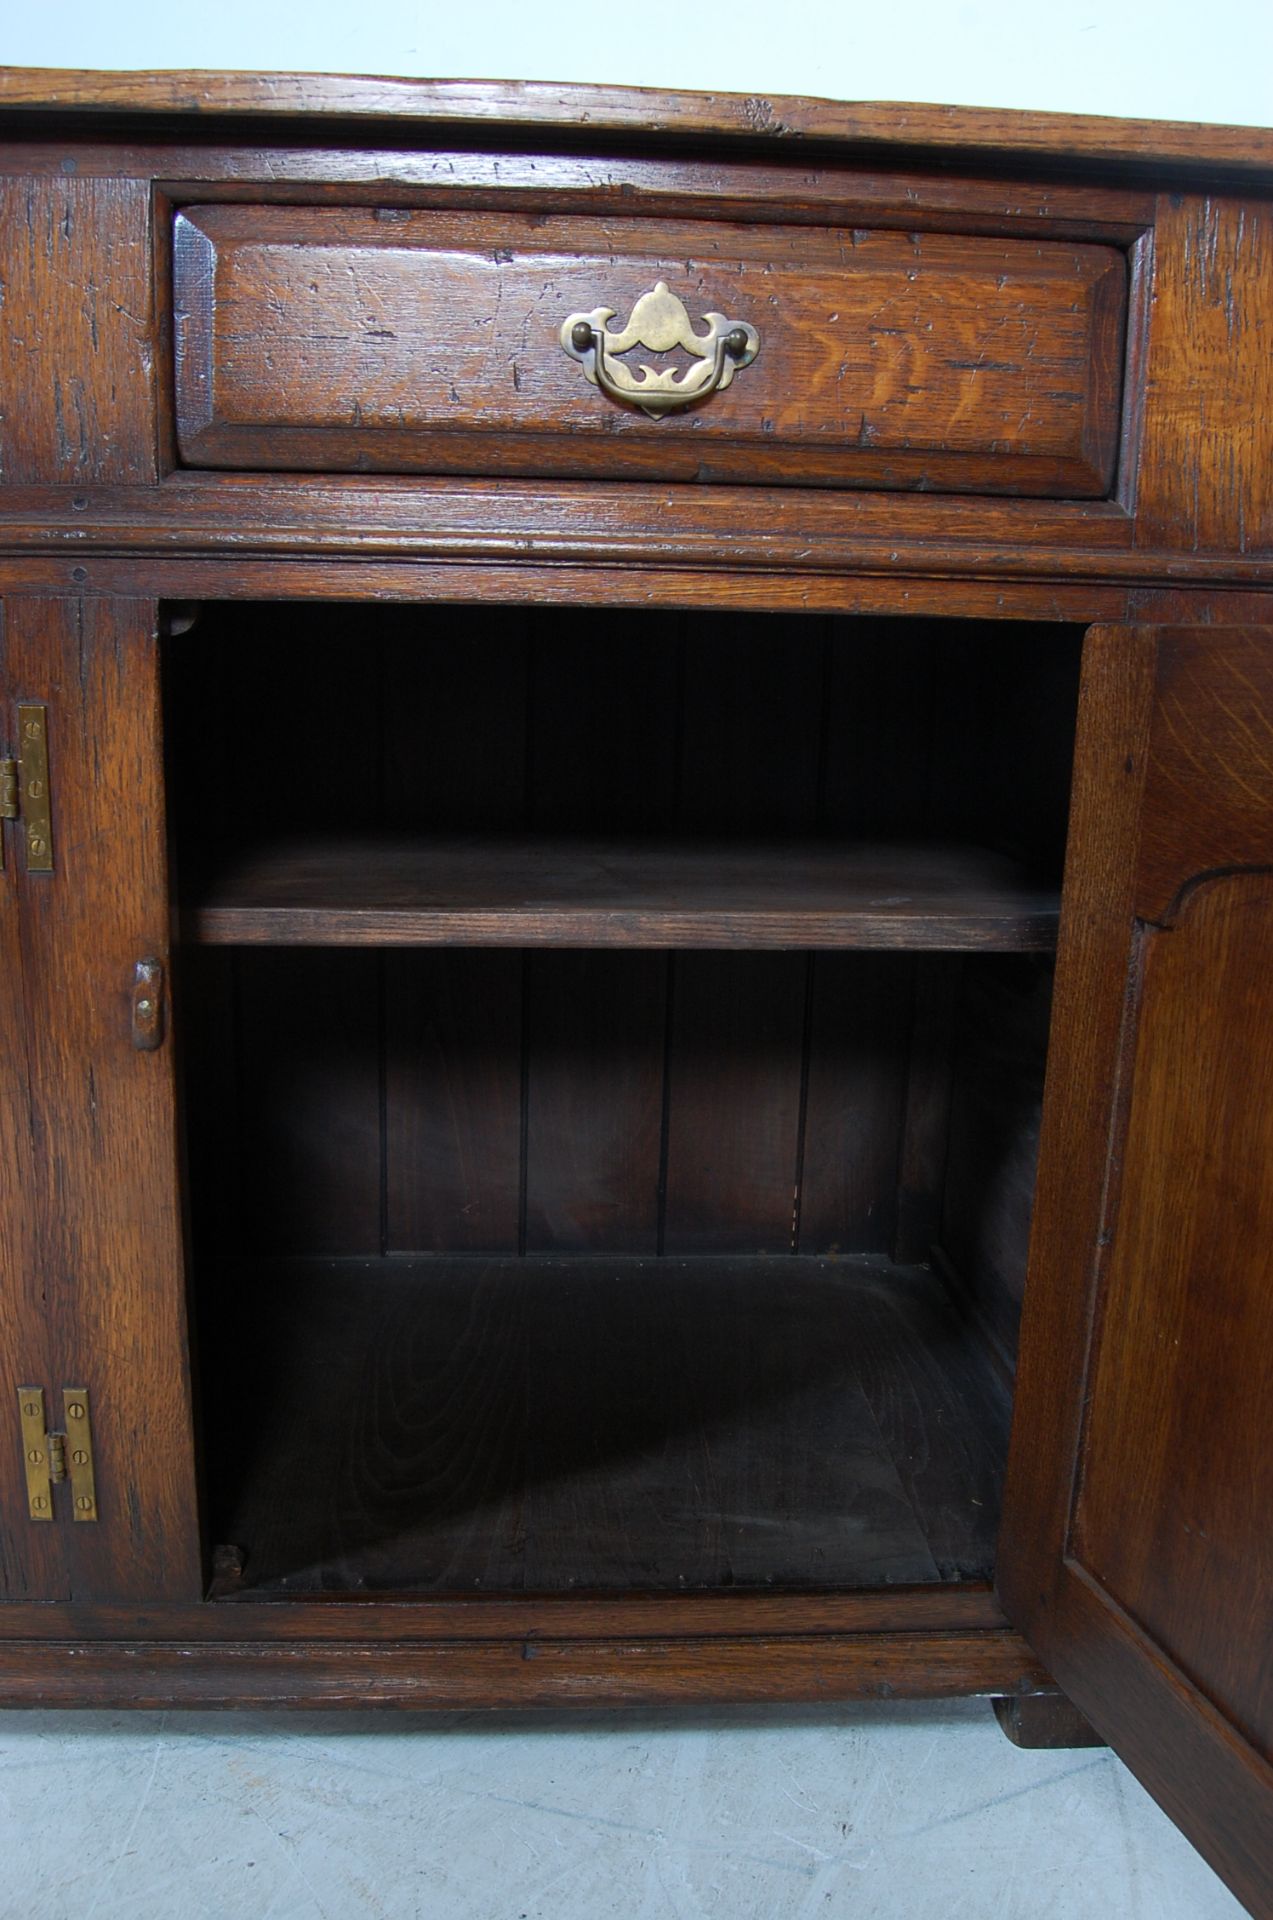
{"x":93,"y":1292}
{"x":1137,"y":1550}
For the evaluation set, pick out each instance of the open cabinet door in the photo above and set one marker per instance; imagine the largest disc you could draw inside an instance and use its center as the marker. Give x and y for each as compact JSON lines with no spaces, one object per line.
{"x":93,"y":1309}
{"x":1137,"y":1549}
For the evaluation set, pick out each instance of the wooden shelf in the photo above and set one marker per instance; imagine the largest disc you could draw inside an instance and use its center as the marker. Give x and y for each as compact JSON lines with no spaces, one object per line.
{"x":549,"y":1425}
{"x":620,"y":893}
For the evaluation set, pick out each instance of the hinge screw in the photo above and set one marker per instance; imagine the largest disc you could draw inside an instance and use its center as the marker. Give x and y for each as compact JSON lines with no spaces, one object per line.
{"x":75,"y":1411}
{"x":84,"y":1503}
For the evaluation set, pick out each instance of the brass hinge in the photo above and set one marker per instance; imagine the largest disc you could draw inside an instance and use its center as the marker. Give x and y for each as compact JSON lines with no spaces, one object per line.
{"x":51,"y":1458}
{"x":24,"y":789}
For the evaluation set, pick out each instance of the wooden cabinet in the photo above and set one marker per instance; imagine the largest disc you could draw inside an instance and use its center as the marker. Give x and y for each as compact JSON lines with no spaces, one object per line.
{"x":637,"y":1043}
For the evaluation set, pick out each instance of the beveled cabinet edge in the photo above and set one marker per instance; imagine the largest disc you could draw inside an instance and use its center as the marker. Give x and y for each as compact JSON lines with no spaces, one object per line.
{"x":992,"y":132}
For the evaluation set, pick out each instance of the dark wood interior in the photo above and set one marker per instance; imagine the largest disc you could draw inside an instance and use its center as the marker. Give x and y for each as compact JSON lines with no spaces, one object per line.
{"x":546,"y":1425}
{"x":768,"y":1184}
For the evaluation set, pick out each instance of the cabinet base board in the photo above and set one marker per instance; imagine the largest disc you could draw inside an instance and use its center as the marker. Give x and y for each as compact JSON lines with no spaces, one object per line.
{"x":522,"y":1672}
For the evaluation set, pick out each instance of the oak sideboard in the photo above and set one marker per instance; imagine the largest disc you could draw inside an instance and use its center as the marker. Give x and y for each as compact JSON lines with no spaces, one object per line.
{"x":636,"y":792}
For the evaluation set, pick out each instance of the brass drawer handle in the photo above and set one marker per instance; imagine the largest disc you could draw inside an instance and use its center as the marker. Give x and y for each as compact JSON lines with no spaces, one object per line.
{"x":659,"y":322}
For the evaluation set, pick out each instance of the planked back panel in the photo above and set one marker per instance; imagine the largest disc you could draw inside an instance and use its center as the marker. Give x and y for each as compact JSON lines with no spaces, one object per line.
{"x":349,"y":1102}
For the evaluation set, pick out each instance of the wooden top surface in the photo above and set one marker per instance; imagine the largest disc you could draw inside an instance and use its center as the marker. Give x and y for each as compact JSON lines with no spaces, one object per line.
{"x":990,"y":131}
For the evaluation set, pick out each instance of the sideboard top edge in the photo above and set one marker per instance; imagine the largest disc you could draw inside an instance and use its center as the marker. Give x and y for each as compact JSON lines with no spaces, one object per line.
{"x":531,"y":105}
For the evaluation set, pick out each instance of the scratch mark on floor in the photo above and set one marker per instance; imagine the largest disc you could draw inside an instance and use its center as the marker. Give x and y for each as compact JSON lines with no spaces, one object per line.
{"x":1005,"y":1799}
{"x":105,"y":1885}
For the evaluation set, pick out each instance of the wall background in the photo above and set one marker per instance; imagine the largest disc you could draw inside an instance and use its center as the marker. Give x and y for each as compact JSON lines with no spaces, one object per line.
{"x":1165,"y":59}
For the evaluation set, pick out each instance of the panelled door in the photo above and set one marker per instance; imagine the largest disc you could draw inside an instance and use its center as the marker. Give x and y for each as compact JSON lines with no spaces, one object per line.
{"x":92,"y":1316}
{"x":1137,"y":1546}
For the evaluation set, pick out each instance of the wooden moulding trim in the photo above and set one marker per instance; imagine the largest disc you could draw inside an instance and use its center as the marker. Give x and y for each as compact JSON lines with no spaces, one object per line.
{"x":629,"y":110}
{"x":642,"y":526}
{"x":633,"y":521}
{"x":941,"y":597}
{"x":518,"y":1672}
{"x":769,"y":554}
{"x":967,"y":1607}
{"x":236,"y":577}
{"x":774,"y":186}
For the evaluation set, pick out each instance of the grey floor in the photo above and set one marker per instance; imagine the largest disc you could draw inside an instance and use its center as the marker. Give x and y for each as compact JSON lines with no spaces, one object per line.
{"x":899,"y":1812}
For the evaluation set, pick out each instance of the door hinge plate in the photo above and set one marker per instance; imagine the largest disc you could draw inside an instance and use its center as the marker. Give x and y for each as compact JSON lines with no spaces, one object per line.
{"x":24,"y":789}
{"x":33,"y":787}
{"x":51,"y":1457}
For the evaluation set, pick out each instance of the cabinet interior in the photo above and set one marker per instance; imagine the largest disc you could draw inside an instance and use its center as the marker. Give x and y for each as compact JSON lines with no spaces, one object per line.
{"x":661,"y":1223}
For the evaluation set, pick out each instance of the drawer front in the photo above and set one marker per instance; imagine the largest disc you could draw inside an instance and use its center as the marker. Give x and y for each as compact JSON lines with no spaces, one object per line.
{"x":357,"y":340}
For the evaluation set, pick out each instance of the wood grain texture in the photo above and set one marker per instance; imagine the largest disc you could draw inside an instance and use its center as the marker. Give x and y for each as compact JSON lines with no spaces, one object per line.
{"x":1184,"y":1750}
{"x":948,"y":1607}
{"x":33,"y":1561}
{"x":1150,"y":1229}
{"x":574,"y":893}
{"x":1115,"y":715}
{"x":520,"y":1673}
{"x":599,"y":176}
{"x":940,"y":1406}
{"x":702,"y":589}
{"x":106,"y":1209}
{"x":1181,"y":1535}
{"x":502,"y":520}
{"x":600,"y":1424}
{"x":1206,"y":459}
{"x":78,"y":341}
{"x":548,"y":1101}
{"x":399,"y":341}
{"x":1209,"y":783}
{"x":989,"y":133}
{"x":744,"y":539}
